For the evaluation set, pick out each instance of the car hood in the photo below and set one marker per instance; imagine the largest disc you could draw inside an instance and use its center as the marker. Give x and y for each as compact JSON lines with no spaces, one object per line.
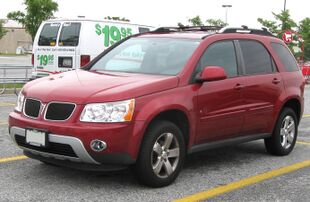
{"x":83,"y":87}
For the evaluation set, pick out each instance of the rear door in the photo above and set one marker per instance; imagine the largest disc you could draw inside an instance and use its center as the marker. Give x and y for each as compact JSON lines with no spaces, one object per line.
{"x":220,"y":103}
{"x":45,"y":58}
{"x":262,"y":89}
{"x":68,"y":44}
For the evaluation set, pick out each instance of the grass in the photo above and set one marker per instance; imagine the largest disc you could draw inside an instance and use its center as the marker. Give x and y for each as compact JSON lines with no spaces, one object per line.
{"x":11,"y":85}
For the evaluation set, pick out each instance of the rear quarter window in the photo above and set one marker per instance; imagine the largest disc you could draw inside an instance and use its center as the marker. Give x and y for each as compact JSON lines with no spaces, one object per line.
{"x":48,"y":35}
{"x":70,"y":34}
{"x":286,"y":57}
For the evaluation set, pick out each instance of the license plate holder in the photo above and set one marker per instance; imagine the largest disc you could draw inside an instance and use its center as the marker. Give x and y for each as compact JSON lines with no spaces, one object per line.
{"x":36,"y":138}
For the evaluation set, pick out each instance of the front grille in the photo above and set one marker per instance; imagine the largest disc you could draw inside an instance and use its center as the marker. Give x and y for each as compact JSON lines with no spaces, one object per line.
{"x":59,"y":111}
{"x":32,"y":108}
{"x":53,"y":148}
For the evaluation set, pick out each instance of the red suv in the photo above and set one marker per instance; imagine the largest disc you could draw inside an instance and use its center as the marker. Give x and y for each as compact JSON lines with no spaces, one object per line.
{"x":153,"y":98}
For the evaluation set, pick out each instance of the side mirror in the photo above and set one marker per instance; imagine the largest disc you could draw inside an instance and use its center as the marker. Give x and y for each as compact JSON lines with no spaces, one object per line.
{"x":211,"y":73}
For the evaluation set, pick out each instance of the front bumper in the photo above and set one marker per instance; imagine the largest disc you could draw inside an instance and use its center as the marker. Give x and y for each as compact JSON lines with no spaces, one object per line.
{"x":70,"y":141}
{"x":79,"y":152}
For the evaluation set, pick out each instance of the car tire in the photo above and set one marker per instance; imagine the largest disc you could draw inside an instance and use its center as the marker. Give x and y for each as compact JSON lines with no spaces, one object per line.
{"x":284,"y":136}
{"x":161,"y":155}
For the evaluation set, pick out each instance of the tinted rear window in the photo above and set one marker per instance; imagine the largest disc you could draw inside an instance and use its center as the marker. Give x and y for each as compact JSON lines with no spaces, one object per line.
{"x":48,"y":35}
{"x":286,"y":57}
{"x":256,"y":58}
{"x":70,"y":34}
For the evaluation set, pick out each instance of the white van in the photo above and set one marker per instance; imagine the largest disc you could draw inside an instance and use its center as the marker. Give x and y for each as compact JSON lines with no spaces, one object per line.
{"x":65,"y":44}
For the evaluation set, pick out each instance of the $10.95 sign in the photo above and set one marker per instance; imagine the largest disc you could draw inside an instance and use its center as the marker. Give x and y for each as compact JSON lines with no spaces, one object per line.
{"x":112,"y":34}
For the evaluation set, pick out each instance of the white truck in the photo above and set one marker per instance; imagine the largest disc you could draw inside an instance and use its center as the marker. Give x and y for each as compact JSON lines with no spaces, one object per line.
{"x":66,"y":44}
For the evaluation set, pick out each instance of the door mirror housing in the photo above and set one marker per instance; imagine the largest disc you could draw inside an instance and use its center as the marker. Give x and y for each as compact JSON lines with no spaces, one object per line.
{"x":211,"y":73}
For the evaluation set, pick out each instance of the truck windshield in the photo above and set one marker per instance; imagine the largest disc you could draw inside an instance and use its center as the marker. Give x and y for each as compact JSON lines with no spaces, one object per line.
{"x":164,"y":56}
{"x":69,"y":35}
{"x":48,"y":35}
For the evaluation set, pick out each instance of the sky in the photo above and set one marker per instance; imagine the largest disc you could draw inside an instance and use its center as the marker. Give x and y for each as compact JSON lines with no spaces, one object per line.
{"x":170,"y":12}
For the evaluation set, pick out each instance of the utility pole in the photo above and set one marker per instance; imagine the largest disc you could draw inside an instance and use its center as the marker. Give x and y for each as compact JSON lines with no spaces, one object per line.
{"x":226,"y":7}
{"x":284,"y":5}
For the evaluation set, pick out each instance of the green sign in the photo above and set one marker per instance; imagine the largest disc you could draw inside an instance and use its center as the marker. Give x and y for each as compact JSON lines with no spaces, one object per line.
{"x":112,"y":34}
{"x":46,"y":59}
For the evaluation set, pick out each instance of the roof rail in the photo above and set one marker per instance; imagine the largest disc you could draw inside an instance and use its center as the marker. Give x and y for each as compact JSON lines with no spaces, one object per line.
{"x":245,"y":30}
{"x":188,"y":28}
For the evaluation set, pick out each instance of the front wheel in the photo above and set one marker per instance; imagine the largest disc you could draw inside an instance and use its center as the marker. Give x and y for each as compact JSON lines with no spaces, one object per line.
{"x":161,"y":156}
{"x":284,"y":136}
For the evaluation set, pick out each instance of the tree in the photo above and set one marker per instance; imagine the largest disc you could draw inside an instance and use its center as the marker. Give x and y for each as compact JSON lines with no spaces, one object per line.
{"x":195,"y":21}
{"x":216,"y":22}
{"x":283,"y":22}
{"x":36,"y":12}
{"x":3,"y":31}
{"x":304,"y":31}
{"x":117,"y":19}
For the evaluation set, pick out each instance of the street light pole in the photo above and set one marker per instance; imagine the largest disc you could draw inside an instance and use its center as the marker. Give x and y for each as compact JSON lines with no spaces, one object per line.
{"x":226,"y":7}
{"x":284,"y":5}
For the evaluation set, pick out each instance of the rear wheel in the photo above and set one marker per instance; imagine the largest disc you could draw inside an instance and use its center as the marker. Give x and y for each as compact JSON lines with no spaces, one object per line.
{"x":161,"y":156}
{"x":284,"y":136}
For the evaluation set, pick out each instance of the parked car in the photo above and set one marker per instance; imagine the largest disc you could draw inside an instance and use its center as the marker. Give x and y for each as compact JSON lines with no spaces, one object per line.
{"x":154,"y":97}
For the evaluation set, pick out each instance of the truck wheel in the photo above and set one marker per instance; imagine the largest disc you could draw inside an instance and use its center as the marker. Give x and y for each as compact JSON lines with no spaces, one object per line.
{"x":284,"y":135}
{"x":161,"y":155}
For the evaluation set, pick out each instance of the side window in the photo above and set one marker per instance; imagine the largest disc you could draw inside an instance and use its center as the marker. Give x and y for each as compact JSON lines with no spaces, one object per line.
{"x":285,"y":56}
{"x":256,"y":58}
{"x":48,"y":34}
{"x":220,"y":54}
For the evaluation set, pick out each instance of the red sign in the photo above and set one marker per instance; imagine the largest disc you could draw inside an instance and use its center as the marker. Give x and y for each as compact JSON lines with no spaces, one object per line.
{"x":287,"y":37}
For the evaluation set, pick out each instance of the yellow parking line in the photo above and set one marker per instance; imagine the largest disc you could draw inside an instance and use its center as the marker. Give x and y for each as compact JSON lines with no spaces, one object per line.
{"x":302,"y":142}
{"x":306,"y":115}
{"x":14,"y":158}
{"x":6,"y":104}
{"x":243,"y":183}
{"x":3,"y":123}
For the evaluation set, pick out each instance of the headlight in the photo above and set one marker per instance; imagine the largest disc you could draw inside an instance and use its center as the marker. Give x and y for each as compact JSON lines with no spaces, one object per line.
{"x":121,"y":111}
{"x":20,"y":102}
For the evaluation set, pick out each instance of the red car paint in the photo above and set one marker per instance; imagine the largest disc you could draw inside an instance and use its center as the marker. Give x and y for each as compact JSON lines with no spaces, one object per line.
{"x":218,"y":110}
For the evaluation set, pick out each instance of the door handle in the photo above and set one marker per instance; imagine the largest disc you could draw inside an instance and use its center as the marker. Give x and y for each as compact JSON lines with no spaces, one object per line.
{"x":238,"y":86}
{"x":276,"y":81}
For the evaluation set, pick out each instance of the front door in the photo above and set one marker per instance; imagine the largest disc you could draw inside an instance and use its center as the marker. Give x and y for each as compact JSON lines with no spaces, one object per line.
{"x":220,"y":104}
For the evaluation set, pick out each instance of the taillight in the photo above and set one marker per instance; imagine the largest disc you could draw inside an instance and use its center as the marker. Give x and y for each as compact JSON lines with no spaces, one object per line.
{"x":32,"y":59}
{"x":84,"y":60}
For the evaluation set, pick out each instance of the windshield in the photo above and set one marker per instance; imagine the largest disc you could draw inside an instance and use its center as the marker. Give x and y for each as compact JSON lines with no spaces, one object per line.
{"x":165,"y":56}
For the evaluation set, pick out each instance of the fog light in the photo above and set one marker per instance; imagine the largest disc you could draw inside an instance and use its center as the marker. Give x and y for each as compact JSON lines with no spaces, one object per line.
{"x":98,"y":145}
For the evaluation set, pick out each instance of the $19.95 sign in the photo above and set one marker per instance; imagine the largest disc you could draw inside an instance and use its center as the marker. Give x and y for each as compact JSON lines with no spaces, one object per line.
{"x":112,"y":34}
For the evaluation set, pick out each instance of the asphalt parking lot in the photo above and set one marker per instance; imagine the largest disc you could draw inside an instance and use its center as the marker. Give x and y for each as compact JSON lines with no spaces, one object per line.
{"x":238,"y":173}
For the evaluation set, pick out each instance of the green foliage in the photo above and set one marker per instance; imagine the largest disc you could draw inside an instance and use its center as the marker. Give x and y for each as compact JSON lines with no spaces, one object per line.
{"x":304,"y":30}
{"x":36,"y":12}
{"x":117,"y":19}
{"x":3,"y":31}
{"x":195,"y":21}
{"x":216,"y":22}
